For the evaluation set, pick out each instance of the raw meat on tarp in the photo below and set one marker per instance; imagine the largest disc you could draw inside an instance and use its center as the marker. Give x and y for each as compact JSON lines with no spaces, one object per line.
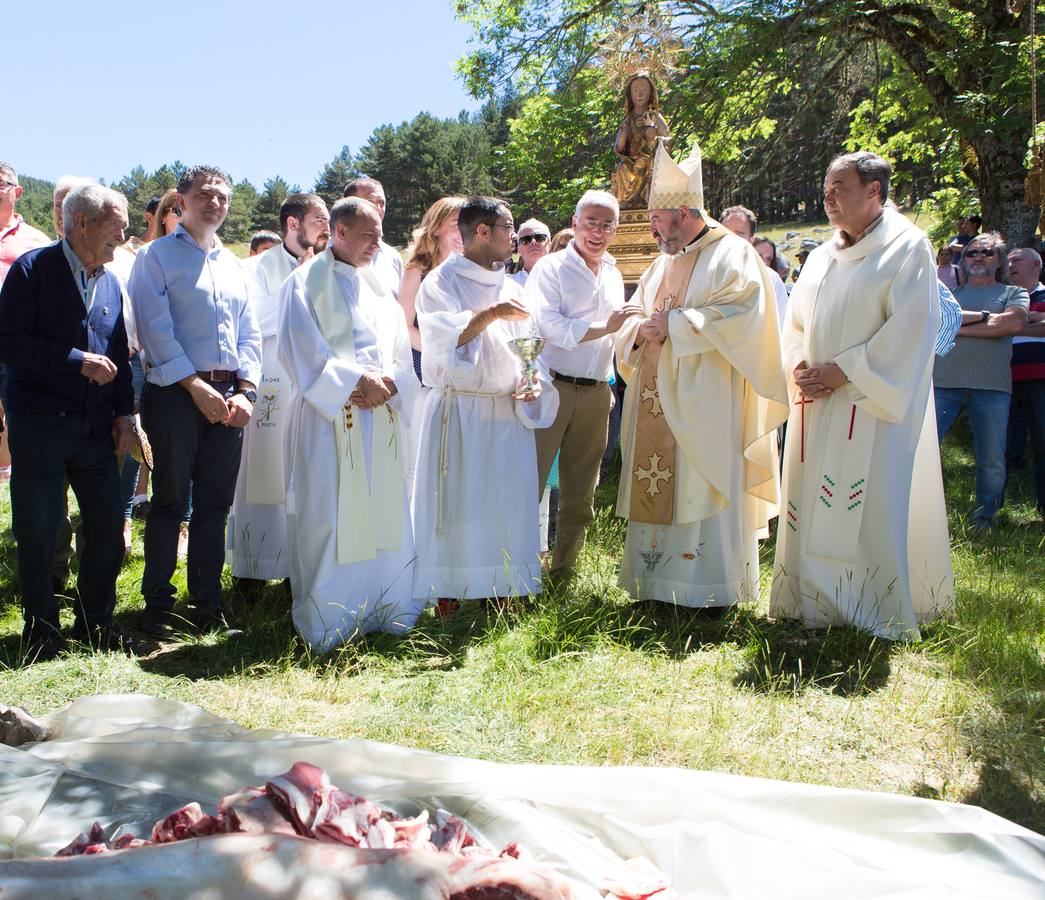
{"x":302,"y":803}
{"x":263,"y":866}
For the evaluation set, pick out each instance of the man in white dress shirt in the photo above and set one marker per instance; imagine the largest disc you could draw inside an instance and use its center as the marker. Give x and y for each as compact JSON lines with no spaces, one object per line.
{"x":387,"y":262}
{"x":578,"y":296}
{"x":256,"y":538}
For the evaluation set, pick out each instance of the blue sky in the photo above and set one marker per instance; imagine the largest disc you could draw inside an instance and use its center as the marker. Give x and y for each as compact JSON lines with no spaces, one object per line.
{"x":260,"y":88}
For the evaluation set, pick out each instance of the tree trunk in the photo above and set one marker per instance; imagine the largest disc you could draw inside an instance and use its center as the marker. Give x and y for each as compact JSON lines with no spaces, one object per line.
{"x":999,"y":178}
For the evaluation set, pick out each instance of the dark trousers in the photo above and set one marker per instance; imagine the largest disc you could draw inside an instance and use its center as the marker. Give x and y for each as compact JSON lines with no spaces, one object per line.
{"x":45,"y":452}
{"x":1028,"y":404}
{"x":190,"y":454}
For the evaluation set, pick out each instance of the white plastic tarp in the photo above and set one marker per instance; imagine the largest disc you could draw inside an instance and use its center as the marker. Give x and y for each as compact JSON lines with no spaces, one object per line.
{"x":128,"y":760}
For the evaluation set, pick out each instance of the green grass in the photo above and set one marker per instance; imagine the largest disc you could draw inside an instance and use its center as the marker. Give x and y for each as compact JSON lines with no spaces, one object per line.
{"x":581,"y":675}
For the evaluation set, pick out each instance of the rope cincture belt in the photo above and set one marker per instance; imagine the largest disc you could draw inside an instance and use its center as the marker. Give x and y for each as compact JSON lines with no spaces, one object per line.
{"x":444,"y":439}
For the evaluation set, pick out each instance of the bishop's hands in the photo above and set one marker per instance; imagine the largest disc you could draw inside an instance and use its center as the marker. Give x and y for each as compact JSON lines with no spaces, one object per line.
{"x":655,"y":328}
{"x":818,"y":382}
{"x":373,"y":389}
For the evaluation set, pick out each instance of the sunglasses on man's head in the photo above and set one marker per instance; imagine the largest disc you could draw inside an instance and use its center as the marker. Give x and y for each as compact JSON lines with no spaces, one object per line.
{"x":974,"y":254}
{"x":534,"y":238}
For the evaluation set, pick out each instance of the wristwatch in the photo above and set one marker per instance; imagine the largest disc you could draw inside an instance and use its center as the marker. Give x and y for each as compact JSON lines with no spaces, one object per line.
{"x":986,"y":315}
{"x":250,"y":394}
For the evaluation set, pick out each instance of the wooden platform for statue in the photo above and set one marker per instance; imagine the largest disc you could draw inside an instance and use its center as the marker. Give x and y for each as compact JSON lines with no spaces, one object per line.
{"x":633,"y":247}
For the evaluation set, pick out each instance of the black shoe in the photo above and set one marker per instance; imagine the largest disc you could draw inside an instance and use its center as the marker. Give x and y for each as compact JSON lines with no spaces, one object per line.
{"x":157,"y":624}
{"x":208,"y":620}
{"x":106,"y":639}
{"x":42,"y":648}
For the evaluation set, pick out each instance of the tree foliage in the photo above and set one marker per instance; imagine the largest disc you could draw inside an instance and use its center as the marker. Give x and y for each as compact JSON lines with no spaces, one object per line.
{"x":422,"y":160}
{"x":772,"y":88}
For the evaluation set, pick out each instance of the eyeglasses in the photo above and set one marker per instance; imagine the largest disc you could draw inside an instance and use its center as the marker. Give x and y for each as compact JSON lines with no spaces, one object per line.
{"x":173,"y":211}
{"x":975,"y":254}
{"x":604,"y":227}
{"x":510,"y":226}
{"x":534,"y":239}
{"x":4,"y":185}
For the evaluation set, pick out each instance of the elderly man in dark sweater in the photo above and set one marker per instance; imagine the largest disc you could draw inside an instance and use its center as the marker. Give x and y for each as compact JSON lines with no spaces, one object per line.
{"x":63,"y":339}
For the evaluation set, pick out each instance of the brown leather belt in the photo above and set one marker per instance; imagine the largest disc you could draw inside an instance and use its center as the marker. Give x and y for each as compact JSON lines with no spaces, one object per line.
{"x":580,"y":382}
{"x":217,"y":375}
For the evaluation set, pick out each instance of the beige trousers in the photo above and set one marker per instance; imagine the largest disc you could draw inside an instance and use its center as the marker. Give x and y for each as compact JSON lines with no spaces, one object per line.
{"x":579,"y":435}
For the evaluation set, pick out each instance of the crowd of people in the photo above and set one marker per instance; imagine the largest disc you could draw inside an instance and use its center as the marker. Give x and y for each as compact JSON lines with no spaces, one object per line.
{"x":374,"y":428}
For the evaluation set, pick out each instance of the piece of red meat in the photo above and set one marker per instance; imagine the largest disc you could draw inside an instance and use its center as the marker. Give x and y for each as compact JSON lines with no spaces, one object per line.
{"x":344,"y":818}
{"x":75,"y":847}
{"x":183,"y":823}
{"x":414,"y":833}
{"x":451,"y":835}
{"x":252,"y":811}
{"x":299,"y":792}
{"x":505,"y":878}
{"x":128,"y":841}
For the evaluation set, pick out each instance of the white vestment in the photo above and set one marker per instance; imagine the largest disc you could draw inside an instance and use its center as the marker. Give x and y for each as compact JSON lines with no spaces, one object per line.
{"x":334,"y":601}
{"x":389,"y":267}
{"x":256,"y":536}
{"x":475,"y":486}
{"x":717,"y":384}
{"x":863,"y":533}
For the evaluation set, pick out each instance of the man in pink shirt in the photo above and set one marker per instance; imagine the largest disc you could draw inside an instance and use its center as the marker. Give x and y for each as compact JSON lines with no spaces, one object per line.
{"x":16,"y":236}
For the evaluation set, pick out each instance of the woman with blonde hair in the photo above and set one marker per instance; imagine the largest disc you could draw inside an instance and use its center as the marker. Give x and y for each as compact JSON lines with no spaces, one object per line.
{"x":431,"y":244}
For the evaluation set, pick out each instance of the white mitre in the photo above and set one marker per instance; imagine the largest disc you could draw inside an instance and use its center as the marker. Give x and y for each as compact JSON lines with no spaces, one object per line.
{"x":674,"y":185}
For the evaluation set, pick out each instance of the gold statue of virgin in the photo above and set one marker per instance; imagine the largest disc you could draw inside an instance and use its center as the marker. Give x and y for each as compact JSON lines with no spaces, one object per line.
{"x":640,"y":132}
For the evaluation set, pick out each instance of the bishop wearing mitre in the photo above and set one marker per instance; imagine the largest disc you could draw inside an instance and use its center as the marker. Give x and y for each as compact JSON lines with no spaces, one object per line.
{"x":343,"y":342}
{"x":706,"y":393}
{"x":863,"y":537}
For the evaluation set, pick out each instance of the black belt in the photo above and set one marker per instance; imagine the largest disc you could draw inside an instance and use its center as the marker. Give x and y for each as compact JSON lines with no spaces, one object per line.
{"x":580,"y":382}
{"x":218,"y":375}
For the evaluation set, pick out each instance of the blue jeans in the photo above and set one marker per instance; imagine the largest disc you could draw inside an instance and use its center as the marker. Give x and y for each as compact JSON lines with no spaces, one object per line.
{"x":989,"y":416}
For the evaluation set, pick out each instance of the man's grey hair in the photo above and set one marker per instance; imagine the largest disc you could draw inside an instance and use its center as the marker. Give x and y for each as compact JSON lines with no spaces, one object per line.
{"x":992,"y":240}
{"x":348,"y":209}
{"x":1029,"y":253}
{"x":93,"y":200}
{"x":534,"y":226}
{"x":67,"y":182}
{"x":603,"y":199}
{"x":869,"y":167}
{"x":8,"y":173}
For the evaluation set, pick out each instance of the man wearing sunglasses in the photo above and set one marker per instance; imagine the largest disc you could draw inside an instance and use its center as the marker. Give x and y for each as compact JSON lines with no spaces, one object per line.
{"x":976,"y":375}
{"x":534,"y":240}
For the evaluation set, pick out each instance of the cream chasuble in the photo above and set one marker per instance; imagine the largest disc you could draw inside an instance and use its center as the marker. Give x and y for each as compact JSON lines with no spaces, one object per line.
{"x":256,"y":537}
{"x":698,"y":433}
{"x":475,"y":486}
{"x":864,"y":539}
{"x":351,"y":541}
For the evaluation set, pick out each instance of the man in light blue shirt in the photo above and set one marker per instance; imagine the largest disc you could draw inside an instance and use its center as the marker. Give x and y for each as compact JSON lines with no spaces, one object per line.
{"x":202,"y":346}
